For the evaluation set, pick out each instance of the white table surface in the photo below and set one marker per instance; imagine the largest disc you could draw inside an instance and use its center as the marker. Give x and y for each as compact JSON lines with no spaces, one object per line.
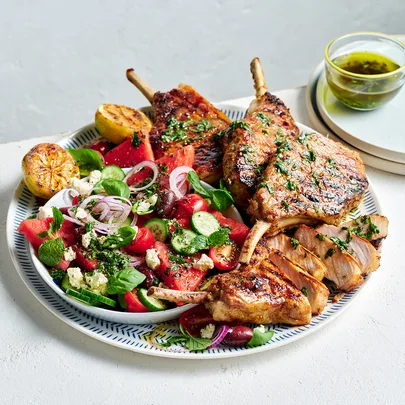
{"x":357,"y":359}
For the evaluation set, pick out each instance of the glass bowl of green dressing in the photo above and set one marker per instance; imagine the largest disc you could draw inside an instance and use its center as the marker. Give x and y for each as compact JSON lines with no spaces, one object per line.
{"x":365,"y":70}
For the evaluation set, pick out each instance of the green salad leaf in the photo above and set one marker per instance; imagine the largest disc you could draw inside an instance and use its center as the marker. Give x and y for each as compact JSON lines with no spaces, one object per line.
{"x":114,"y":187}
{"x":51,"y":251}
{"x":220,"y":199}
{"x":122,"y":237}
{"x":87,"y":160}
{"x":124,"y":281}
{"x":260,"y":337}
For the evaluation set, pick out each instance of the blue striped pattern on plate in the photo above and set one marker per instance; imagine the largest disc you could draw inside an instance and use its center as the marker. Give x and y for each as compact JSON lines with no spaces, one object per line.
{"x":136,"y":337}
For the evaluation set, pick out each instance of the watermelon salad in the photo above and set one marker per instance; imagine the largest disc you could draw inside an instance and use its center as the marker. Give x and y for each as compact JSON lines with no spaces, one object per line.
{"x":123,"y":231}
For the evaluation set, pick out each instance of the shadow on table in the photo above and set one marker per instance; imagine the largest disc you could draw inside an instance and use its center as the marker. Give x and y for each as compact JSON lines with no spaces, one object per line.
{"x":36,"y":316}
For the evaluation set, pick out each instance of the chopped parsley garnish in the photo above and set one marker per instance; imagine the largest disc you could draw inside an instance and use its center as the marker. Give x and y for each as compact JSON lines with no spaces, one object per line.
{"x":269,"y":188}
{"x":294,"y":243}
{"x":202,"y":126}
{"x":310,"y":156}
{"x":304,"y":138}
{"x":280,"y":138}
{"x":290,"y":185}
{"x":330,"y":253}
{"x":176,"y":130}
{"x":315,"y":179}
{"x":136,"y":141}
{"x":320,"y":236}
{"x":239,"y":124}
{"x":285,"y":205}
{"x":342,"y":245}
{"x":57,"y":274}
{"x":264,"y":119}
{"x":218,"y":136}
{"x":281,"y":167}
{"x":304,"y":291}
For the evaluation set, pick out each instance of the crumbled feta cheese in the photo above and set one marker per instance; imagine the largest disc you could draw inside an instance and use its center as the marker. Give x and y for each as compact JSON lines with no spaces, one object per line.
{"x":97,"y":282}
{"x":76,"y":277}
{"x":143,"y":206}
{"x":152,"y":259}
{"x":205,"y":263}
{"x":261,"y":328}
{"x":87,"y":237}
{"x":94,"y":177}
{"x":208,"y":331}
{"x":81,"y":213}
{"x":45,"y":212}
{"x":102,"y":239}
{"x":82,"y":187}
{"x":69,"y":254}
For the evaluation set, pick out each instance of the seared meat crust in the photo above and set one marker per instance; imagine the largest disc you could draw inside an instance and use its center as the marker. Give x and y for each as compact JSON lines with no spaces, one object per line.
{"x":185,"y":104}
{"x":249,"y":144}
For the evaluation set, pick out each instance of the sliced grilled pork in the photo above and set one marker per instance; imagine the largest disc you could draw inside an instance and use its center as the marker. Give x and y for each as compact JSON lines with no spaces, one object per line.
{"x":316,"y":292}
{"x":299,"y":254}
{"x":342,"y":268}
{"x":372,"y":227}
{"x":361,"y":249}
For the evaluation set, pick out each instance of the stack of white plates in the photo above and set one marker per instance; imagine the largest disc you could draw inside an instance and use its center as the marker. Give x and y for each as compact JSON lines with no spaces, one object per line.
{"x":379,"y":135}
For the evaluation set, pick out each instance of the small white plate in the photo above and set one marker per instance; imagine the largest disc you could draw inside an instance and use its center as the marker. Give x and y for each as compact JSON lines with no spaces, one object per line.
{"x":319,"y":124}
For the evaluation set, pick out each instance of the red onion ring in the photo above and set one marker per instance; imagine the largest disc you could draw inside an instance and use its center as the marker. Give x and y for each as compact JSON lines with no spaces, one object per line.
{"x":173,"y":180}
{"x":75,"y":221}
{"x":137,"y":168}
{"x":219,"y":335}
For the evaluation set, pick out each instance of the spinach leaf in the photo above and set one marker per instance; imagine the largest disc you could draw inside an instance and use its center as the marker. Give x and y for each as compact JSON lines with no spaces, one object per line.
{"x":114,"y":187}
{"x":87,"y":160}
{"x":51,"y":252}
{"x":124,"y":281}
{"x":260,"y":337}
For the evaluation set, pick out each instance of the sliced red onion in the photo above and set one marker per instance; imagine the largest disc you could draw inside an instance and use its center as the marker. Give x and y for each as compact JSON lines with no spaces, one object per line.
{"x":75,"y":221}
{"x":136,"y":260}
{"x":135,"y":220}
{"x":91,"y":198}
{"x":219,"y":335}
{"x":139,"y":167}
{"x":174,"y":180}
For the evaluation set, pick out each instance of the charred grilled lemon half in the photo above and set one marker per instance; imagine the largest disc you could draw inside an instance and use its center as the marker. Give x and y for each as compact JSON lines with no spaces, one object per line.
{"x":47,"y":168}
{"x":117,"y":122}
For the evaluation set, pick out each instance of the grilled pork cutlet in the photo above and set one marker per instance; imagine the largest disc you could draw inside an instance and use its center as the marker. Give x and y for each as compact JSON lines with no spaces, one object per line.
{"x":342,"y":268}
{"x":258,"y":293}
{"x":361,"y":249}
{"x":316,"y":292}
{"x":248,"y":144}
{"x":309,"y":180}
{"x":294,"y":251}
{"x":183,"y":117}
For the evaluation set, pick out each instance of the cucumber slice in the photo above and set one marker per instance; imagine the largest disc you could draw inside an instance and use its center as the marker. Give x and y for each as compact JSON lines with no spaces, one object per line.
{"x":81,"y":298}
{"x":181,"y":240}
{"x":204,"y":223}
{"x":66,"y":284}
{"x":154,"y":304}
{"x":159,"y":228}
{"x":121,"y":301}
{"x":112,"y":172}
{"x":99,"y":298}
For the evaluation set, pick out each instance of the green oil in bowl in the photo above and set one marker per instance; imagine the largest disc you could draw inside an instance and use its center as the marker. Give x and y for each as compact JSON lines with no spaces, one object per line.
{"x":368,"y":91}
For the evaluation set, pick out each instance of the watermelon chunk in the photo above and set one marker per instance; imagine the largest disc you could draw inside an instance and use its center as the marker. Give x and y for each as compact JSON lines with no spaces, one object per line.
{"x":30,"y":228}
{"x":128,"y":155}
{"x":84,"y":262}
{"x":182,"y":157}
{"x":184,"y":279}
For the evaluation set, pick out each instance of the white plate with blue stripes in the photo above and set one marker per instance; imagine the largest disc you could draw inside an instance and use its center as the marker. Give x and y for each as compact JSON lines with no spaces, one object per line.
{"x":137,"y":337}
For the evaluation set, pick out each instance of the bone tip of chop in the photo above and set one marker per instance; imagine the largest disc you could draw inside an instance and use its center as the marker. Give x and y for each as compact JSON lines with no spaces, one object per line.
{"x":255,"y":234}
{"x":258,"y":77}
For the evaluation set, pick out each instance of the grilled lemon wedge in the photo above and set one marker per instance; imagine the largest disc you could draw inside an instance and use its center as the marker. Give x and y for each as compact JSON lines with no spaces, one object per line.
{"x":117,"y":122}
{"x":47,"y":168}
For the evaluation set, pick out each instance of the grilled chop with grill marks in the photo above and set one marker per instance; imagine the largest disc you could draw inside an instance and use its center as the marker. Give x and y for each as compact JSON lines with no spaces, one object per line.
{"x":183,"y":117}
{"x":248,"y":144}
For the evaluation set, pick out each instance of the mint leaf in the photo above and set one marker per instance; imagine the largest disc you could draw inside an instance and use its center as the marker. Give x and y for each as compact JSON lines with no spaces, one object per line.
{"x":259,"y":337}
{"x":51,"y":252}
{"x":221,"y":199}
{"x":124,"y":281}
{"x":57,"y":222}
{"x":219,"y":238}
{"x":200,"y":242}
{"x":114,"y":187}
{"x":196,"y":184}
{"x":43,"y":235}
{"x":87,"y":160}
